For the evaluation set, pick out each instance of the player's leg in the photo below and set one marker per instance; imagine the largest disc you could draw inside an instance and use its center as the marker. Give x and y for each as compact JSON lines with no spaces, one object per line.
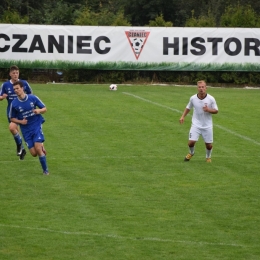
{"x":193,"y":138}
{"x":42,"y":157}
{"x":21,"y":152}
{"x":43,"y":150}
{"x":13,"y":128}
{"x":208,"y":151}
{"x":38,"y":148}
{"x":33,"y":151}
{"x":207,"y":136}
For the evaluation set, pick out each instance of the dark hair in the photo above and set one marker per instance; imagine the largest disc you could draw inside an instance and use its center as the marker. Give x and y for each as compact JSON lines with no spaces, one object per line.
{"x":14,"y":67}
{"x":19,"y":82}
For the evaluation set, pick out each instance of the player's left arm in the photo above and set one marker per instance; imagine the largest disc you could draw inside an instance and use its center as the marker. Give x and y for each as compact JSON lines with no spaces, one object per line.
{"x":27,"y":88}
{"x":41,"y":106}
{"x":212,"y":109}
{"x":40,"y":110}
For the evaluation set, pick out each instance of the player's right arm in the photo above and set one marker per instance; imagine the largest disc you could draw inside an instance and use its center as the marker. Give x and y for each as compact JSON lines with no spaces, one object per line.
{"x":13,"y":115}
{"x":3,"y":95}
{"x":18,"y":121}
{"x":185,"y":113}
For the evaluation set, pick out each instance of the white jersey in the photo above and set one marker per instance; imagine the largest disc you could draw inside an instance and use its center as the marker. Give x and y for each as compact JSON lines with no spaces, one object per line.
{"x":200,"y":118}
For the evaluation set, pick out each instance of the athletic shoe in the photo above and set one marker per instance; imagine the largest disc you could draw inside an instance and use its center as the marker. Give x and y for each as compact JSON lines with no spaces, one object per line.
{"x":208,"y":159}
{"x":22,"y":155}
{"x":19,"y":149}
{"x":46,"y":173}
{"x":188,"y":157}
{"x":43,"y":150}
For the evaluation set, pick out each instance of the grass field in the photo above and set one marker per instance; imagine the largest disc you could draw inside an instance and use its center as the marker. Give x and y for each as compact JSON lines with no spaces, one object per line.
{"x":118,"y":186}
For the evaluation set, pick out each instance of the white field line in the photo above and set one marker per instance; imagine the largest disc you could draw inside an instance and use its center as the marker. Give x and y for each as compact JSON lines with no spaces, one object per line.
{"x":155,"y":239}
{"x":180,"y":112}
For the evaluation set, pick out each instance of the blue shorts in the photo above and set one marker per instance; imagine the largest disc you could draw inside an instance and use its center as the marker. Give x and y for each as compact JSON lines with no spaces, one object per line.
{"x":33,"y":136}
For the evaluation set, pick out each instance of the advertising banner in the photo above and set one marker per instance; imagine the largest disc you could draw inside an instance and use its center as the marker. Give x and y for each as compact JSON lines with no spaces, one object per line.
{"x":130,"y":48}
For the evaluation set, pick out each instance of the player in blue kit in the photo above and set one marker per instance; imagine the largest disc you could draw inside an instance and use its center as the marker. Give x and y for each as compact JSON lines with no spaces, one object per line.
{"x":7,"y":92}
{"x":24,"y":111}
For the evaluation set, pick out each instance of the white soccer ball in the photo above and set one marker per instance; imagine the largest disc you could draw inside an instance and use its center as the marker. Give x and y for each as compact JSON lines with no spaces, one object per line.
{"x":138,"y":44}
{"x":113,"y":87}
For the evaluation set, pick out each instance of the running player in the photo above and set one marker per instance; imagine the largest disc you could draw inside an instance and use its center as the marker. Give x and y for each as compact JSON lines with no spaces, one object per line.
{"x":7,"y":92}
{"x":26,"y":111}
{"x":204,"y":105}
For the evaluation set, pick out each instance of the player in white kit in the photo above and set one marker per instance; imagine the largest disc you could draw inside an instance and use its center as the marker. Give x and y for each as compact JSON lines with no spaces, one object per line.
{"x":203,"y":105}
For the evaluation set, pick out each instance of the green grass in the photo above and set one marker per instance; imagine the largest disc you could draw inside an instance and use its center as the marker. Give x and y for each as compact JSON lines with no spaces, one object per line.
{"x":118,"y":186}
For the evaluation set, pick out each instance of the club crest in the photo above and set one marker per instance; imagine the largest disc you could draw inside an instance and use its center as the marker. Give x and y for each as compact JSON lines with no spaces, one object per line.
{"x":137,"y":40}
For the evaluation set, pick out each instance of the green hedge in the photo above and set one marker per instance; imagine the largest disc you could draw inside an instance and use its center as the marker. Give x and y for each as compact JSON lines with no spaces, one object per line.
{"x":124,"y":77}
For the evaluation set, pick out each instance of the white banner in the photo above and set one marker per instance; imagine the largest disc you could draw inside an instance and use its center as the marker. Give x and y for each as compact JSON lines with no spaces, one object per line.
{"x":148,"y":48}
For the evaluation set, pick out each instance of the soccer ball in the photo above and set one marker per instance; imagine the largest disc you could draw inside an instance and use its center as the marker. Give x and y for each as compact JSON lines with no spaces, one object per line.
{"x":113,"y":87}
{"x":137,"y":44}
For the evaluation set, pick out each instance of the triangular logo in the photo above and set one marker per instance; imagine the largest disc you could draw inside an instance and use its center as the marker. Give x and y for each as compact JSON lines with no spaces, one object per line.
{"x":137,"y":40}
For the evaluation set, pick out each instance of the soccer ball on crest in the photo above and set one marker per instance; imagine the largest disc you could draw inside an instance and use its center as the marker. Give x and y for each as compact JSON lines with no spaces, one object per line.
{"x":137,"y":44}
{"x":113,"y":87}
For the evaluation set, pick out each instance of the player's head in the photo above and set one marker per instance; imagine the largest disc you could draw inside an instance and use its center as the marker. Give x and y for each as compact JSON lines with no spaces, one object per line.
{"x":18,"y":87}
{"x":14,"y":73}
{"x":202,"y":86}
{"x":201,"y":82}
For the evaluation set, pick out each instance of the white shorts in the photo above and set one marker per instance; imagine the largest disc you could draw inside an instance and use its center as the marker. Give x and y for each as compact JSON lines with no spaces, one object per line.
{"x":207,"y":134}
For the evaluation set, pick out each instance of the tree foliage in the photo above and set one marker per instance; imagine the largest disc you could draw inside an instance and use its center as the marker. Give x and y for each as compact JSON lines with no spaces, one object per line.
{"x":13,"y":17}
{"x":133,"y":12}
{"x":60,"y":13}
{"x":159,"y":22}
{"x":86,"y":17}
{"x":141,"y":12}
{"x":202,"y":21}
{"x":104,"y":17}
{"x":240,"y":16}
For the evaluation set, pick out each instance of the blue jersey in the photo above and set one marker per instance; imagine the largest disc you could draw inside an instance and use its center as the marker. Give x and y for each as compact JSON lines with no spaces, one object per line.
{"x":21,"y":109}
{"x":7,"y":88}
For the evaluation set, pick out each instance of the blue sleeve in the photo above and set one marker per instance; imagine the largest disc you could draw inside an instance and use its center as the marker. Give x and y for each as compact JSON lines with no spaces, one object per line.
{"x":27,"y":88}
{"x":2,"y":90}
{"x":12,"y":112}
{"x":39,"y":103}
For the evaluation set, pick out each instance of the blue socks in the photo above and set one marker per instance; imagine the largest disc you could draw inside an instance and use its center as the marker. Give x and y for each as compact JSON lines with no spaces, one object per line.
{"x":17,"y":138}
{"x":43,"y":163}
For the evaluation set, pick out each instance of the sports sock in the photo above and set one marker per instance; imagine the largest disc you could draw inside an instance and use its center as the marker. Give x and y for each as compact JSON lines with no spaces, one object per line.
{"x":43,"y":162}
{"x":208,"y":153}
{"x":192,"y":149}
{"x":17,"y":138}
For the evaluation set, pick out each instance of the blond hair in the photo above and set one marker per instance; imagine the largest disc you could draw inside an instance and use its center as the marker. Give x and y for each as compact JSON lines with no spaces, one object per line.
{"x":201,"y":81}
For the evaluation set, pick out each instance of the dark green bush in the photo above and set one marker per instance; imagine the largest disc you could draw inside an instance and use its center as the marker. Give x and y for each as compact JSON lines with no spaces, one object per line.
{"x":141,"y":77}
